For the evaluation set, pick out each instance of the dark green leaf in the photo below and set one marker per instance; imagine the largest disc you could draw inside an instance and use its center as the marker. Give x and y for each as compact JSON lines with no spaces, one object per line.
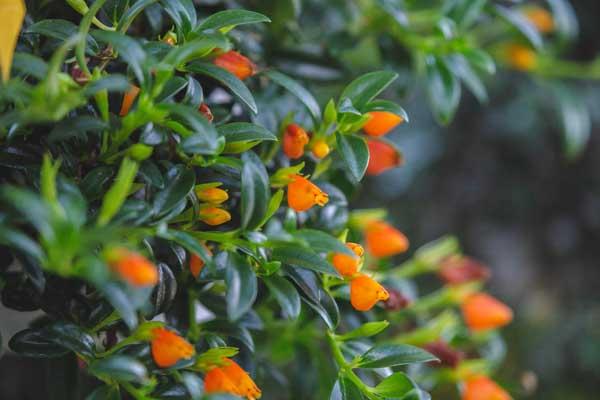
{"x":241,"y":286}
{"x":196,"y":48}
{"x":286,"y":295}
{"x":183,"y":13}
{"x":119,"y":368}
{"x":129,"y":50}
{"x":345,"y":389}
{"x":187,"y":241}
{"x":517,"y":19}
{"x":111,"y":83}
{"x":575,"y":119}
{"x":76,"y":127}
{"x":193,"y":384}
{"x":303,"y":258}
{"x":230,"y":81}
{"x":320,"y":241}
{"x":255,"y":191}
{"x":178,"y":186}
{"x":230,"y":19}
{"x":443,"y":89}
{"x":22,"y":242}
{"x":72,"y":337}
{"x":204,"y":139}
{"x":297,"y":90}
{"x":364,"y":88}
{"x":34,"y":343}
{"x":62,"y":30}
{"x":244,"y":132}
{"x":389,"y":355}
{"x":355,"y":154}
{"x":105,"y":393}
{"x":132,"y":12}
{"x":29,"y":64}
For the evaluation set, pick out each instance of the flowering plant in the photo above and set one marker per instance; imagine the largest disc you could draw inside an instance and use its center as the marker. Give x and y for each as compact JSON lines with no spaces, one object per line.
{"x":179,"y":209}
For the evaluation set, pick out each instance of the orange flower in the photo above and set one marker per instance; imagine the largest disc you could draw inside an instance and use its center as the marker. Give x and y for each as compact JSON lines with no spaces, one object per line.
{"x":365,"y":293}
{"x":212,"y":195}
{"x":303,"y":194}
{"x":457,"y":269}
{"x":381,"y":123}
{"x":540,"y":18}
{"x":132,"y":267}
{"x":214,"y":216}
{"x":168,"y":348}
{"x":320,"y":149}
{"x":204,"y":110}
{"x":128,"y":99}
{"x":230,"y":378}
{"x":196,"y":263}
{"x":382,"y":157}
{"x":483,"y":388}
{"x":383,"y":240}
{"x":482,"y":312}
{"x":346,"y":264}
{"x":521,"y":57}
{"x":294,"y":140}
{"x":237,"y":64}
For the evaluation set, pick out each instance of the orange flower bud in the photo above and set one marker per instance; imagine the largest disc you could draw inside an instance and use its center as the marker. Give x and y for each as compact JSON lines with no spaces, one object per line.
{"x":483,"y":388}
{"x":365,"y":293}
{"x":482,"y":312}
{"x":346,"y":264}
{"x":382,"y":157}
{"x":168,"y":348}
{"x":237,"y":64}
{"x":204,"y":110}
{"x":303,"y":194}
{"x":383,"y":240}
{"x":457,"y":269}
{"x":214,"y":216}
{"x":231,"y":378}
{"x":212,"y":195}
{"x":521,"y":57}
{"x":132,"y":267}
{"x":128,"y":99}
{"x":196,"y":263}
{"x":320,"y":149}
{"x":381,"y":123}
{"x":294,"y":140}
{"x":540,"y":18}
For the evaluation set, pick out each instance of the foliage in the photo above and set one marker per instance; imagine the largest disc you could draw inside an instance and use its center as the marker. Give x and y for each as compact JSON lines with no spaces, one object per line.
{"x":145,"y":162}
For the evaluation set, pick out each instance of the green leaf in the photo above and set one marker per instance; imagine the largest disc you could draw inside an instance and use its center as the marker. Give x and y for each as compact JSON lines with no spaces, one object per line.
{"x":297,"y":90}
{"x":34,"y":343}
{"x":575,"y":119}
{"x":21,"y":242}
{"x":193,"y":384}
{"x":320,"y":241}
{"x":118,"y":192}
{"x":72,"y":337}
{"x":364,"y":88}
{"x":273,"y":206}
{"x":443,"y":89}
{"x":196,"y":48}
{"x":237,"y":87}
{"x":62,"y":30}
{"x":255,"y":191}
{"x":241,"y":286}
{"x":205,"y":139}
{"x":30,"y":64}
{"x":132,"y":12}
{"x":119,"y":299}
{"x":565,"y":18}
{"x":286,"y":295}
{"x":462,"y":69}
{"x":345,"y":389}
{"x":480,"y":60}
{"x":119,"y":368}
{"x":188,"y":242}
{"x":521,"y":23}
{"x":105,"y":393}
{"x":231,"y":18}
{"x":355,"y":154}
{"x":390,"y":355}
{"x":180,"y":182}
{"x":77,"y":126}
{"x":245,"y":132}
{"x":129,"y":50}
{"x":183,"y":13}
{"x":303,"y":258}
{"x":386,"y":105}
{"x":395,"y":385}
{"x":365,"y":330}
{"x":466,"y":12}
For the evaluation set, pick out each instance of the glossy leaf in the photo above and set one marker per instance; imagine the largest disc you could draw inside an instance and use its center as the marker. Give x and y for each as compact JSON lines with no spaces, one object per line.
{"x":443,"y":89}
{"x":255,"y":191}
{"x":241,"y":286}
{"x":303,"y":258}
{"x":389,"y":355}
{"x":355,"y":154}
{"x":365,"y":88}
{"x":231,"y":18}
{"x":286,"y":295}
{"x":297,"y":90}
{"x":120,"y":368}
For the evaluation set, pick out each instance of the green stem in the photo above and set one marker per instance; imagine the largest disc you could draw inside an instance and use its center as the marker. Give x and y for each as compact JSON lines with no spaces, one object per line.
{"x":84,"y":28}
{"x":194,"y":330}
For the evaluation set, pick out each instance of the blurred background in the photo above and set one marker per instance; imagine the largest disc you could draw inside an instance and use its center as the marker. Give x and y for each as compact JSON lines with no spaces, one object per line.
{"x":497,"y":178}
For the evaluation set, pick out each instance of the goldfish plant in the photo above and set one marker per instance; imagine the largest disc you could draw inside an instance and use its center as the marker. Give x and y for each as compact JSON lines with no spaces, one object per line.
{"x":178,"y":204}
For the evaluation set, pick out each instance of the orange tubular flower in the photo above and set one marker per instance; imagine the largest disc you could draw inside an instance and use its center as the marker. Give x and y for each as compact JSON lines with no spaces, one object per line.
{"x":457,"y":269}
{"x":521,"y":57}
{"x":303,"y":194}
{"x":483,"y":388}
{"x":204,"y":110}
{"x":168,"y":348}
{"x":237,"y":64}
{"x":345,"y":264}
{"x":383,"y":240}
{"x":214,"y":216}
{"x":128,"y":99}
{"x":294,"y":140}
{"x":382,"y":157}
{"x":381,"y":123}
{"x":320,"y":149}
{"x":540,"y":18}
{"x":366,"y":292}
{"x":212,"y":195}
{"x":482,"y":312}
{"x":196,"y":263}
{"x":231,"y":378}
{"x":132,"y":267}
